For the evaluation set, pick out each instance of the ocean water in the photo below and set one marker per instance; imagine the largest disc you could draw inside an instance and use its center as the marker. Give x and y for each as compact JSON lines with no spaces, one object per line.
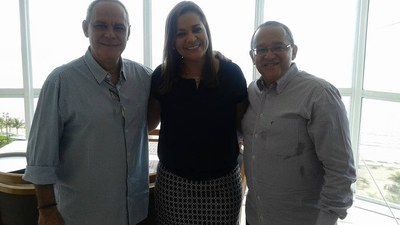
{"x":378,"y":147}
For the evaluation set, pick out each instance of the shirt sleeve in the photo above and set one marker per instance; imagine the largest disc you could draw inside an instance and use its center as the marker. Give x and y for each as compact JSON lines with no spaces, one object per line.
{"x":43,"y":142}
{"x":329,"y":130}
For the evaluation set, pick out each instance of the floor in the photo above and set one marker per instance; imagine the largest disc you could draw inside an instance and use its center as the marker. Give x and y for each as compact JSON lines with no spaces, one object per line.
{"x":361,"y":213}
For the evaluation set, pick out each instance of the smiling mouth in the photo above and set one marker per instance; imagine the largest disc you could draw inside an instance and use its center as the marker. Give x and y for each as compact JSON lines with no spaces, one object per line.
{"x":110,"y":44}
{"x":193,"y":47}
{"x":271,"y":64}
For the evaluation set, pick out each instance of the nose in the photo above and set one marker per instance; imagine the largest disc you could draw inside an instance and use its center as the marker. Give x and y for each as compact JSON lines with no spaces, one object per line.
{"x":110,"y":33}
{"x":191,"y":37}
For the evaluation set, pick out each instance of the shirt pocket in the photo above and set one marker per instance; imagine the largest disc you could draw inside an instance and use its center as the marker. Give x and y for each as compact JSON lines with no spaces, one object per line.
{"x":282,"y":137}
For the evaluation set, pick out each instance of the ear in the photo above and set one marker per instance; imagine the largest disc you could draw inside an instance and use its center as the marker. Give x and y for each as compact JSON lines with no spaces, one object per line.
{"x":294,"y":51}
{"x":129,"y":32}
{"x":252,"y":56}
{"x":85,"y":28}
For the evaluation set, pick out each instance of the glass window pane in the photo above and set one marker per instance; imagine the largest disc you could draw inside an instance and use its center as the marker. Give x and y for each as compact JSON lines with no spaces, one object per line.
{"x":10,"y":54}
{"x":12,"y":122}
{"x":57,"y":37}
{"x":134,"y":47}
{"x":324,"y":38}
{"x":379,"y":150}
{"x":230,"y":31}
{"x":382,"y":72}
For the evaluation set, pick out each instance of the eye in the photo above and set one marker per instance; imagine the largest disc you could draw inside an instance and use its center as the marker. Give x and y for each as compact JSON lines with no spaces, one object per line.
{"x":260,"y":51}
{"x":278,"y":48}
{"x":197,"y":30}
{"x":180,"y":34}
{"x":100,"y":26}
{"x":120,"y":28}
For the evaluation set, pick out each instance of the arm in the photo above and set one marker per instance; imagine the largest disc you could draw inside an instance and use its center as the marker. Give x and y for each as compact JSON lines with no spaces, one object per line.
{"x":240,"y":110}
{"x":329,"y":130}
{"x":153,"y":113}
{"x":47,"y":206}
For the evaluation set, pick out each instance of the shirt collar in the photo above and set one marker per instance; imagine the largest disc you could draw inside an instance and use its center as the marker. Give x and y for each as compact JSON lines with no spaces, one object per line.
{"x":98,"y":72}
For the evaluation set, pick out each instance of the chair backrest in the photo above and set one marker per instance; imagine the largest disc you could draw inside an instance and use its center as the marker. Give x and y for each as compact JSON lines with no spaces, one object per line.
{"x":12,"y":183}
{"x":153,"y":135}
{"x":17,"y":200}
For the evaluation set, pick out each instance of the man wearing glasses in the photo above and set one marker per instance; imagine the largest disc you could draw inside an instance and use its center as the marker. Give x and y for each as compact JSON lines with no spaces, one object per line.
{"x":298,"y":158}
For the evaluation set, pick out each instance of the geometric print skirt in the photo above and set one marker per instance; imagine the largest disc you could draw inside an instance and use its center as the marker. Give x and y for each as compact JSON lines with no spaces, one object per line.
{"x":180,"y":201}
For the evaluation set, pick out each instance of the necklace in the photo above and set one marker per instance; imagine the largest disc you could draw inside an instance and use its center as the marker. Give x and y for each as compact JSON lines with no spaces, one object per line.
{"x":196,"y":78}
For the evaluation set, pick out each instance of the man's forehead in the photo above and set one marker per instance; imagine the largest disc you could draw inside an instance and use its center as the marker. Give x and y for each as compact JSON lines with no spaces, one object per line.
{"x":106,"y":11}
{"x":270,"y":34}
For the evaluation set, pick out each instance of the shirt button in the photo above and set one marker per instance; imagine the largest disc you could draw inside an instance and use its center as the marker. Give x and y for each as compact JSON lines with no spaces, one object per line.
{"x":261,"y":115}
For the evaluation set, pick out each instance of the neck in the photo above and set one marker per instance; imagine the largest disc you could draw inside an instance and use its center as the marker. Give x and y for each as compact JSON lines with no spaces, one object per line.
{"x":192,"y":70}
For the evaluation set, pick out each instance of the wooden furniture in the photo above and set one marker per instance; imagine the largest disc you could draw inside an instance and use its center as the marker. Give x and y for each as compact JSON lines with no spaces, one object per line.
{"x":12,"y":183}
{"x":17,"y":200}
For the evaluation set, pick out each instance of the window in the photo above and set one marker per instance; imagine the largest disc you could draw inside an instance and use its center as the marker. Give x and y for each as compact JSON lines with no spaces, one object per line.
{"x":379,"y":151}
{"x":57,"y":37}
{"x":325,"y":38}
{"x":379,"y":148}
{"x":10,"y":54}
{"x":382,"y":72}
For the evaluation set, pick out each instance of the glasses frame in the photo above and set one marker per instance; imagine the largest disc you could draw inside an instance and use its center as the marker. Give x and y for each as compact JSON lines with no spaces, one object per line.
{"x":273,"y":49}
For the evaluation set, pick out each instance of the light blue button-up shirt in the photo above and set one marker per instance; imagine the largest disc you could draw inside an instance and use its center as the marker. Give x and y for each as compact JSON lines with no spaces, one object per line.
{"x":298,"y":159}
{"x":89,"y":139}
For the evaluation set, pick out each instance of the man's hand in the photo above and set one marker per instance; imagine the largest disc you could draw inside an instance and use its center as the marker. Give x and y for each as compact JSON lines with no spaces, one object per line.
{"x":50,"y":216}
{"x":220,"y":56}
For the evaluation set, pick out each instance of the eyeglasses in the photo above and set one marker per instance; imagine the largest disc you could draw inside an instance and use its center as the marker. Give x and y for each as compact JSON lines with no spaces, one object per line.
{"x":273,"y":49}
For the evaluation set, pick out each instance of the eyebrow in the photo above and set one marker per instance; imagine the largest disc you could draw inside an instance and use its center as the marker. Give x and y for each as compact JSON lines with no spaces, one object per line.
{"x":194,"y":26}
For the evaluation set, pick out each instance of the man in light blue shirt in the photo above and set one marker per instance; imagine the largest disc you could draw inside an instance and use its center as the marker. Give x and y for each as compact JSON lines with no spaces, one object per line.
{"x":88,"y":149}
{"x":298,"y":159}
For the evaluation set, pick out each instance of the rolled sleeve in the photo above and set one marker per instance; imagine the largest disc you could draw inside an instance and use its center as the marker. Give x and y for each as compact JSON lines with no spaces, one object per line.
{"x":43,"y":144}
{"x":40,"y":175}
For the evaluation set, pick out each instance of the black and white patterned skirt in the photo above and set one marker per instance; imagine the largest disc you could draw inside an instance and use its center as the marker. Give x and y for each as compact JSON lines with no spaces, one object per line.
{"x":180,"y":201}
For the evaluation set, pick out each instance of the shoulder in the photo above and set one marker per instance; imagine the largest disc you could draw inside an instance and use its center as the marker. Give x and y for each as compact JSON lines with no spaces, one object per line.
{"x":231,"y":72}
{"x":157,"y":71}
{"x":140,"y":69}
{"x":156,"y":75}
{"x":226,"y":66}
{"x":66,"y":71}
{"x":312,"y":80}
{"x":315,"y":84}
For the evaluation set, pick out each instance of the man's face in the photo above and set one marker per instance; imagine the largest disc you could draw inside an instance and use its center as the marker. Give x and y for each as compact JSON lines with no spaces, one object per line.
{"x":273,"y":53}
{"x":108,"y":32}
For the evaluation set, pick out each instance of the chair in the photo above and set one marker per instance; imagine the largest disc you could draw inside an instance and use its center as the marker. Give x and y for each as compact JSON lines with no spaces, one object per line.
{"x":17,"y":200}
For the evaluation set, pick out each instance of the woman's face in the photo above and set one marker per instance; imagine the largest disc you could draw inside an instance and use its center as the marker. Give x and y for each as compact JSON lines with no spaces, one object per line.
{"x":191,"y":40}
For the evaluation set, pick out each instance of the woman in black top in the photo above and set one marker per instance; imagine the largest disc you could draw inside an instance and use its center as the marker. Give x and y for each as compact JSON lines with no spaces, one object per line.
{"x":200,"y":102}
